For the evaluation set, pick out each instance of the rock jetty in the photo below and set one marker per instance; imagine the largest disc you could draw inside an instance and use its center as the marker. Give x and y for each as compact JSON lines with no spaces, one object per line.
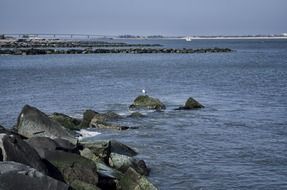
{"x":45,"y":51}
{"x":45,"y":151}
{"x":42,"y":153}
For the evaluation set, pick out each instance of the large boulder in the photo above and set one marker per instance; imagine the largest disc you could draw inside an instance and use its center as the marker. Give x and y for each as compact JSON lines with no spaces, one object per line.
{"x":147,"y":102}
{"x":191,"y":104}
{"x":79,"y":172}
{"x":15,"y":175}
{"x":32,"y":122}
{"x":87,"y":117}
{"x":134,"y":181}
{"x":13,"y":148}
{"x":66,"y":121}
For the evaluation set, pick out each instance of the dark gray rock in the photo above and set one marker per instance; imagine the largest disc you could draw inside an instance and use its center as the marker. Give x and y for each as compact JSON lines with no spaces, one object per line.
{"x":147,"y":102}
{"x":14,"y":176}
{"x":120,"y":148}
{"x":67,"y":146}
{"x":66,"y":121}
{"x":191,"y":104}
{"x":10,"y":132}
{"x":41,"y":144}
{"x":134,"y":181}
{"x":32,"y":122}
{"x":79,"y":172}
{"x":15,"y":149}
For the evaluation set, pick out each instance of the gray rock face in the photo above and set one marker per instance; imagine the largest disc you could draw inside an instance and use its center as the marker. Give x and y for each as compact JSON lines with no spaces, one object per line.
{"x":134,"y":181}
{"x":147,"y":102}
{"x":14,"y":176}
{"x":15,"y":149}
{"x":32,"y":122}
{"x":191,"y":104}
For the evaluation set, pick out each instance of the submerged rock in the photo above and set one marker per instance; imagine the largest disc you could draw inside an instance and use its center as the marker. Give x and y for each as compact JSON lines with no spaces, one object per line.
{"x":32,"y":122}
{"x":13,"y":148}
{"x":100,"y":123}
{"x":15,"y":175}
{"x":66,"y":121}
{"x":190,"y":104}
{"x":109,"y":116}
{"x":134,"y":181}
{"x":147,"y":102}
{"x":136,"y":115}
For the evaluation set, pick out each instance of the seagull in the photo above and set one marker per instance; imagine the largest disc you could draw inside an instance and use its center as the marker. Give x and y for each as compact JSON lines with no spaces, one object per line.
{"x":143,"y":91}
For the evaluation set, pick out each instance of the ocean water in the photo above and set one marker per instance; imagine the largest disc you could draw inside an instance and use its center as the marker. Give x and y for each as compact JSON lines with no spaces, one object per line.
{"x":239,"y":141}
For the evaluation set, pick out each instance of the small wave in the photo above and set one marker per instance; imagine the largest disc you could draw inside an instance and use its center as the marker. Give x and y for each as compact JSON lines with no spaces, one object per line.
{"x":86,"y":134}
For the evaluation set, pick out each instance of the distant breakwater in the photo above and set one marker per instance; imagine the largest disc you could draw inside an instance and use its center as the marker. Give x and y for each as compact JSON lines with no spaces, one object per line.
{"x":44,"y":51}
{"x":47,"y":46}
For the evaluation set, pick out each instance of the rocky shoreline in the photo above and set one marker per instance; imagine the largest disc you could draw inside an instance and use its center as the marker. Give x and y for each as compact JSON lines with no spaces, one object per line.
{"x":43,"y":47}
{"x":47,"y":152}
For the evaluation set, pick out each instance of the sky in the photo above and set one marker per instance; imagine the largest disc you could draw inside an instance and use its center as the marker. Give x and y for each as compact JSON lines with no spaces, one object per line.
{"x":144,"y":17}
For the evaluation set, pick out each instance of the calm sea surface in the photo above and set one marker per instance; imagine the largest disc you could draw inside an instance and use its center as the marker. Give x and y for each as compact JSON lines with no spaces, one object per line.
{"x":239,"y":141}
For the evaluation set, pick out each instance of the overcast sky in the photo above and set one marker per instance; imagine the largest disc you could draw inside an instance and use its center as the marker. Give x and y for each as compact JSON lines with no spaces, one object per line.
{"x":144,"y":17}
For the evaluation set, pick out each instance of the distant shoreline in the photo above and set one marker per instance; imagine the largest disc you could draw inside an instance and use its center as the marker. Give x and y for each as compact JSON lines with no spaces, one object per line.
{"x":208,"y":38}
